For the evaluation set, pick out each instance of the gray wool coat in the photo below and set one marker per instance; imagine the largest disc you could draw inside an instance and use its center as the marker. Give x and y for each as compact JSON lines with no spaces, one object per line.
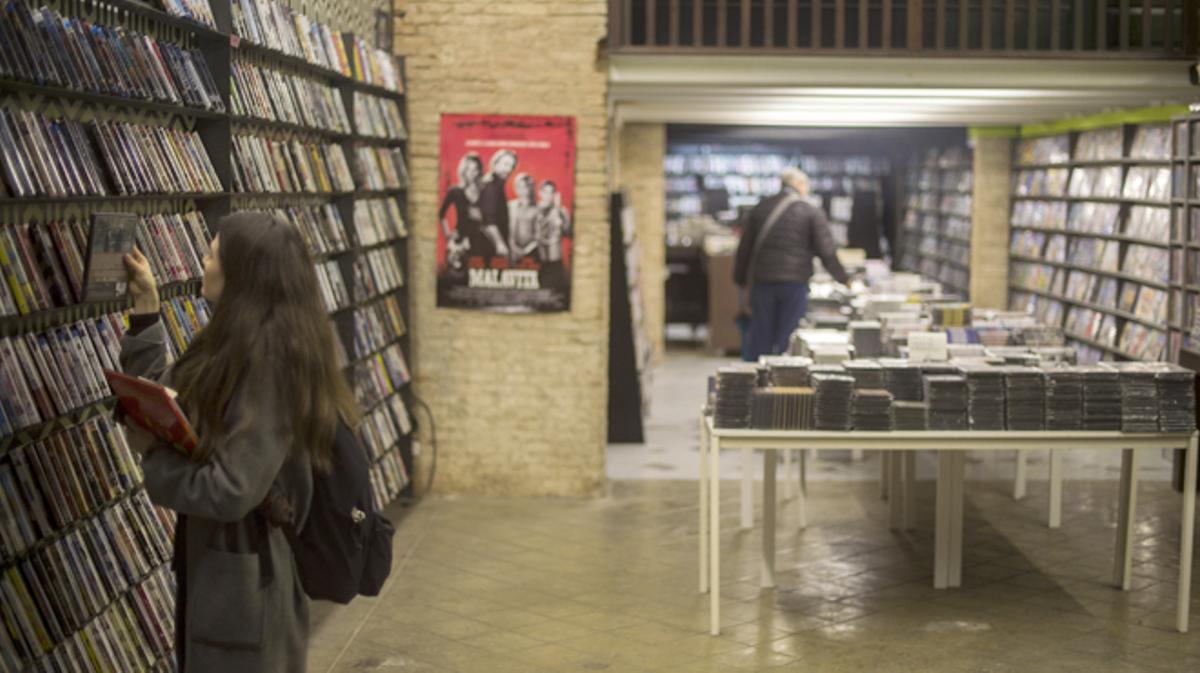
{"x":245,"y":612}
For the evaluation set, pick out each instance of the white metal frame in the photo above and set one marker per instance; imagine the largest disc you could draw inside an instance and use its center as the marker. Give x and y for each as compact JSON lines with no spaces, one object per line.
{"x":950,"y":446}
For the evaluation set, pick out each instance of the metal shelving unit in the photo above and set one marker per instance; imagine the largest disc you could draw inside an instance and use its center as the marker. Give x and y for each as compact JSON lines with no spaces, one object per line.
{"x":928,"y":243}
{"x":1114,"y":327}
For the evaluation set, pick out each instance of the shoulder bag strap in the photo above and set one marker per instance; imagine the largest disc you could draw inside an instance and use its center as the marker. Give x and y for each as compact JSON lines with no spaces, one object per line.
{"x":782,"y":207}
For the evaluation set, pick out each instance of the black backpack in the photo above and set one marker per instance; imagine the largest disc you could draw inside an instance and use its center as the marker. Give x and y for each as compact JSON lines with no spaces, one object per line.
{"x":345,"y":547}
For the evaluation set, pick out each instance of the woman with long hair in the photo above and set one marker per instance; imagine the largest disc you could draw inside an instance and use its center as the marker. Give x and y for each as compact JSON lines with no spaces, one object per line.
{"x":468,"y":217}
{"x":262,"y":386}
{"x":522,"y":217}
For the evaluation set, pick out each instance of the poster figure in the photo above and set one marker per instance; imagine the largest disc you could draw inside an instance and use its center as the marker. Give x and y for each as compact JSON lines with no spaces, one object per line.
{"x":505,"y":220}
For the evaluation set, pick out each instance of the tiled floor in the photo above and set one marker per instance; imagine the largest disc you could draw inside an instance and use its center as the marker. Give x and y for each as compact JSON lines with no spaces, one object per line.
{"x":610,"y":585}
{"x":553,"y":586}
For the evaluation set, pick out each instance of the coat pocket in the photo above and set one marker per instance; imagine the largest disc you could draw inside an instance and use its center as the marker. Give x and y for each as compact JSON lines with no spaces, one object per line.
{"x":227,"y":600}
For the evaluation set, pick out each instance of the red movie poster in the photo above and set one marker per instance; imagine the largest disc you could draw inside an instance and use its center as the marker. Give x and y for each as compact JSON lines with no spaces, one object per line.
{"x":507,"y":203}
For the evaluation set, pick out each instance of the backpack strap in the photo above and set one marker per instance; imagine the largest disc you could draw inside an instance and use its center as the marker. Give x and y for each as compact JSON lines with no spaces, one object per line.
{"x":789,"y":199}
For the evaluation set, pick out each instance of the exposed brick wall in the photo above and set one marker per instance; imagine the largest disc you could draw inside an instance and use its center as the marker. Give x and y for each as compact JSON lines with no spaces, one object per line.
{"x":642,"y":150}
{"x":521,"y":401}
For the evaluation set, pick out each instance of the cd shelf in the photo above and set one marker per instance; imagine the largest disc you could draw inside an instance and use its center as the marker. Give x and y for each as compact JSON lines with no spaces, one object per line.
{"x":61,"y":316}
{"x":939,"y":198}
{"x":250,"y":123}
{"x":1091,"y":199}
{"x":210,"y":126}
{"x":1090,"y":222}
{"x":1100,"y":272}
{"x":1091,"y":234}
{"x":1125,"y":315}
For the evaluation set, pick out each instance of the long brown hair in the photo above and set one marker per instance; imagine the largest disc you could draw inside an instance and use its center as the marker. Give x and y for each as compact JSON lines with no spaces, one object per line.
{"x":269,"y":324}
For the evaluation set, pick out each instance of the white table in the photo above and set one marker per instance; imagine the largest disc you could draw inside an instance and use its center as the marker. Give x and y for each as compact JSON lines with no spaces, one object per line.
{"x":950,"y":446}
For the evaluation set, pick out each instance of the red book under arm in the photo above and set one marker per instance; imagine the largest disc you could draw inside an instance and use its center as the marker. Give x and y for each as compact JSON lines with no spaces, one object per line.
{"x":152,"y":406}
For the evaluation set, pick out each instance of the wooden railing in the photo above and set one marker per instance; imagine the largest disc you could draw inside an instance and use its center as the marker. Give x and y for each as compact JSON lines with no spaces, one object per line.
{"x":958,"y":28}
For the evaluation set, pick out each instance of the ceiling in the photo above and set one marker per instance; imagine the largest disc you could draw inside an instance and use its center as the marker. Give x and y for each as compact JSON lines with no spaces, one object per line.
{"x":866,"y":92}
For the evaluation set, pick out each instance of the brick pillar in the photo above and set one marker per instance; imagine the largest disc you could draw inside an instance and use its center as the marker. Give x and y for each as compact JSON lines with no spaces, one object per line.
{"x":642,"y":150}
{"x":521,"y":400}
{"x":992,"y":185}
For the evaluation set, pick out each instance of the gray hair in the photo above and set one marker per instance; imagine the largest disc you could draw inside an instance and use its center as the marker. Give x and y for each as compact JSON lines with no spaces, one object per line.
{"x":794,"y":176}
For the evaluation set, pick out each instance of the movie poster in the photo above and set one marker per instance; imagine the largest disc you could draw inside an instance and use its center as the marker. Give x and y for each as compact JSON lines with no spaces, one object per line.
{"x":506,"y":216}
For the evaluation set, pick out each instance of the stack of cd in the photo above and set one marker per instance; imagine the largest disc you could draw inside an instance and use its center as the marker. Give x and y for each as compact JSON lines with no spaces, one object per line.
{"x":762,"y":376}
{"x":866,"y":335}
{"x":909,"y":415}
{"x":1101,"y":398}
{"x":871,"y":410}
{"x":1025,"y":398}
{"x":1176,"y":398}
{"x":790,"y":371}
{"x":831,"y":353}
{"x":832,"y":400}
{"x":902,"y":379}
{"x":946,"y":395}
{"x":1139,"y":397}
{"x":735,"y":390}
{"x":951,"y":315}
{"x":1064,"y":397}
{"x":985,"y":396}
{"x":782,"y":408}
{"x":866,"y":373}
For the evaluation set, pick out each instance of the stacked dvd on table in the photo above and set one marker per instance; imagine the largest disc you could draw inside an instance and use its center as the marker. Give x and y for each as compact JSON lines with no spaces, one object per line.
{"x":1064,"y":397}
{"x":831,"y":353}
{"x":902,"y":379}
{"x":871,"y":410}
{"x":782,"y":408}
{"x":831,"y":402}
{"x":762,"y":376}
{"x":867,"y":337}
{"x":951,"y":315}
{"x":1139,"y":396}
{"x":1025,"y":398}
{"x":1176,"y":398}
{"x":985,"y":396}
{"x":909,"y":415}
{"x":866,"y":373}
{"x":735,"y":392}
{"x":946,"y":395}
{"x":1101,"y":398}
{"x":791,"y":372}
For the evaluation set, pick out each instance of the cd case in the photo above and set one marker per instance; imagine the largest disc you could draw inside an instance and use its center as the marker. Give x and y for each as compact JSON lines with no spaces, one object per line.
{"x":112,"y":237}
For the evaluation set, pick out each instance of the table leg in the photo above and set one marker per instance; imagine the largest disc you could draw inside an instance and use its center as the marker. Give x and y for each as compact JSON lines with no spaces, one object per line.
{"x":768,"y":523}
{"x":1056,"y":478}
{"x":747,"y":489}
{"x":896,"y":489}
{"x":910,"y":490}
{"x":1183,"y":605}
{"x":941,"y":536}
{"x":856,"y":455}
{"x":883,"y":475}
{"x":714,"y":535}
{"x":802,"y":496}
{"x":1020,"y":478}
{"x":955,"y":546}
{"x":789,"y":486}
{"x":703,"y":504}
{"x":1123,"y":564}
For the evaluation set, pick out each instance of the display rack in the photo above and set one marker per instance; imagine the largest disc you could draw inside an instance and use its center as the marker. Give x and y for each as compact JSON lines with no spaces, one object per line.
{"x":128,"y":624}
{"x":743,"y":176}
{"x":936,"y":236}
{"x":1184,"y":311}
{"x":1091,"y":247}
